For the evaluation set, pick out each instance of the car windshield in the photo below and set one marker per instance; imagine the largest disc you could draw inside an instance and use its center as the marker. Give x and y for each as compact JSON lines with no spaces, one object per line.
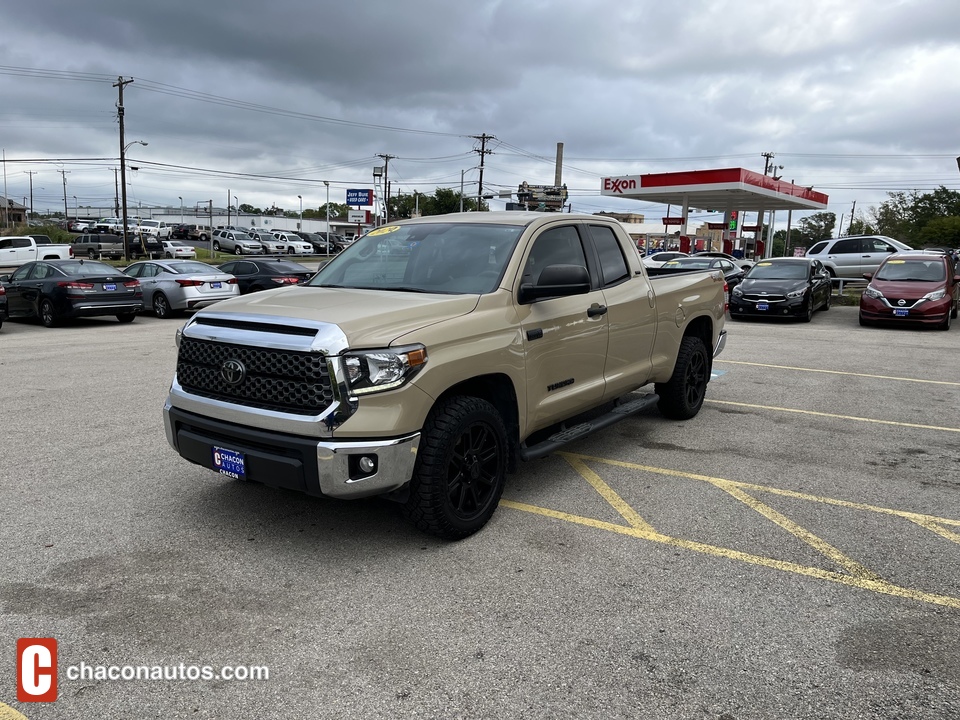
{"x":149,"y":223}
{"x":191,"y":268}
{"x":87,"y":267}
{"x":242,"y":237}
{"x":933,"y":270}
{"x":777,"y":271}
{"x":431,"y":257}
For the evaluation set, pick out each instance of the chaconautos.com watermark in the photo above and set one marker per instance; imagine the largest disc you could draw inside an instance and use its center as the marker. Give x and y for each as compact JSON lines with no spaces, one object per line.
{"x":38,"y":672}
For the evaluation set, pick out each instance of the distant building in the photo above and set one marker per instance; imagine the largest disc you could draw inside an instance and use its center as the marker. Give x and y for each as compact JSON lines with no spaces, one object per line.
{"x":11,"y":213}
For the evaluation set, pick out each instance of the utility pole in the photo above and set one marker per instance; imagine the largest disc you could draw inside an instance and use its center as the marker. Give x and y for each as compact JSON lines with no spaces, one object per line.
{"x":481,"y":152}
{"x":120,"y":84}
{"x":386,"y":186}
{"x":64,"y":173}
{"x":31,"y":173}
{"x":766,"y":164}
{"x":116,"y":193}
{"x":228,"y":207}
{"x":853,"y":213}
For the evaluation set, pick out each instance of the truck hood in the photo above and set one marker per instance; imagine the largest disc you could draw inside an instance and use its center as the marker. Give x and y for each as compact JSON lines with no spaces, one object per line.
{"x":369,"y":318}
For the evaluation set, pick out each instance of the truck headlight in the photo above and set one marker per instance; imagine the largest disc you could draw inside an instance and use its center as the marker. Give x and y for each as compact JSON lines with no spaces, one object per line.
{"x":370,"y":371}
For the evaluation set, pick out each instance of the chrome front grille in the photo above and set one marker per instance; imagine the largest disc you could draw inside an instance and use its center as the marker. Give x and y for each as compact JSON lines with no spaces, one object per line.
{"x":771,"y":298}
{"x":281,"y":380}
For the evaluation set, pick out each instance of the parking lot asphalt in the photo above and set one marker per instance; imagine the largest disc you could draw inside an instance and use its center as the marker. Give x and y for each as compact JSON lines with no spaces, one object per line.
{"x":791,"y":552}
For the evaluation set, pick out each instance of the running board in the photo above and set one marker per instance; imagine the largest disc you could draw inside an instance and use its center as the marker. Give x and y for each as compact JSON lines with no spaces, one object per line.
{"x":568,"y":435}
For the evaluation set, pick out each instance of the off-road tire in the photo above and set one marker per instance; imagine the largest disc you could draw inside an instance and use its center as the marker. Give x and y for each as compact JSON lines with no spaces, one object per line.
{"x":682,"y":396}
{"x":460,"y":470}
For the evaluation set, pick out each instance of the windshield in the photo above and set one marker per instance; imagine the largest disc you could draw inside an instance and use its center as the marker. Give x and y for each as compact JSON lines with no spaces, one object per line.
{"x":777,"y":271}
{"x":933,"y":270}
{"x":690,"y":263}
{"x":455,"y":258}
{"x":87,"y":267}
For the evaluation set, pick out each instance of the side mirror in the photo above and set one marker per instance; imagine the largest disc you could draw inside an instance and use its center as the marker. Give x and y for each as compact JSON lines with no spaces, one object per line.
{"x":868,"y":276}
{"x":6,"y":278}
{"x":556,"y":281}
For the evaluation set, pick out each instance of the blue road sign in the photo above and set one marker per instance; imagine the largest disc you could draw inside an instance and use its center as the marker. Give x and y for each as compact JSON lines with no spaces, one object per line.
{"x":359,"y":197}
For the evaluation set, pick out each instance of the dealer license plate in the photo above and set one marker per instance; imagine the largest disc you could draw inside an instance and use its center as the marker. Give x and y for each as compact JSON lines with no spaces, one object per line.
{"x":215,"y":285}
{"x":901,"y":312}
{"x":763,"y":306}
{"x":229,"y":463}
{"x":109,"y":286}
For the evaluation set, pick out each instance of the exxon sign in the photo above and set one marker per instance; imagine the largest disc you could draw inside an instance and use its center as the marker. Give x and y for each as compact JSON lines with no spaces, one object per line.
{"x":619,"y":185}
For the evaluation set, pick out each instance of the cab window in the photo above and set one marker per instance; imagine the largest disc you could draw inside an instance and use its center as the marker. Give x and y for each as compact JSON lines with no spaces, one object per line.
{"x":613,"y":266}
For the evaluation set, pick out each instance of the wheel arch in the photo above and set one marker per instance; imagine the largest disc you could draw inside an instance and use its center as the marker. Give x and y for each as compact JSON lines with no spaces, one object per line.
{"x":499,"y":391}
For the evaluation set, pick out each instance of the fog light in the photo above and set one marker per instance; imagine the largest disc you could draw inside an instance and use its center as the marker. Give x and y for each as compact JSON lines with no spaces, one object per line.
{"x":367,"y":464}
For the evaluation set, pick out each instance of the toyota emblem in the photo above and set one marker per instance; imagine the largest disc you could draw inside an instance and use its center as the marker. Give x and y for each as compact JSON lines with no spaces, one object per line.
{"x":233,"y":371}
{"x":901,"y":302}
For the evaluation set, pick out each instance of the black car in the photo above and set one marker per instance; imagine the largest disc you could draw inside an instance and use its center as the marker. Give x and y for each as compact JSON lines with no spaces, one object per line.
{"x":56,"y":289}
{"x":266,"y":273}
{"x":782,"y":287}
{"x":320,"y":244}
{"x":180,"y":231}
{"x":3,"y":305}
{"x":731,"y":273}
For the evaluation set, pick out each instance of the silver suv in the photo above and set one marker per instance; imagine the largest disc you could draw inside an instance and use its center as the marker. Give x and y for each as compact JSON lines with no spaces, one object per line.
{"x":236,"y":242}
{"x":854,"y":255}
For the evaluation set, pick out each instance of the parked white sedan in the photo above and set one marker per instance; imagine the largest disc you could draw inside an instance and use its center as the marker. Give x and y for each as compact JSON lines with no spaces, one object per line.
{"x":659,"y":258}
{"x":176,"y":250}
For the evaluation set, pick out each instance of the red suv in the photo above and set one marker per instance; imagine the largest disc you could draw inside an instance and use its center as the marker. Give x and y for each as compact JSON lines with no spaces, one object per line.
{"x":912,"y":287}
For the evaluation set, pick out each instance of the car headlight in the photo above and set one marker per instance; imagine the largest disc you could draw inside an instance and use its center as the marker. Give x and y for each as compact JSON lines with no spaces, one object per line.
{"x":872,"y":292}
{"x":936,"y":295}
{"x":737,"y":291}
{"x":370,"y":371}
{"x":796,"y":293}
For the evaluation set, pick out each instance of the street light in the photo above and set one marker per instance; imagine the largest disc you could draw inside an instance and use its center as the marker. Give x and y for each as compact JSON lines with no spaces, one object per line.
{"x":123,"y":184}
{"x":181,"y":209}
{"x":300,"y":226}
{"x":236,"y":204}
{"x":76,"y":209}
{"x":328,"y":215}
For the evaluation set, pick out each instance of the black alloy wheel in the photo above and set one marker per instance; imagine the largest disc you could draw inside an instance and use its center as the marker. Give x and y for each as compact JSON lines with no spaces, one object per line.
{"x":48,"y":316}
{"x":460,"y":470}
{"x":682,"y":396}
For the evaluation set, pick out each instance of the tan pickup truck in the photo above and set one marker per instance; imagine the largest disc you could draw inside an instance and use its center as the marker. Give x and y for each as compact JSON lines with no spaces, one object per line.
{"x":428,"y":357}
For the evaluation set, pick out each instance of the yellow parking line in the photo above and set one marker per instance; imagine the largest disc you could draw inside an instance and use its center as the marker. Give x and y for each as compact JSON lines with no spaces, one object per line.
{"x":817,"y":543}
{"x":878,"y":586}
{"x":8,"y":713}
{"x":608,"y":494}
{"x":838,"y":372}
{"x":834,"y":415}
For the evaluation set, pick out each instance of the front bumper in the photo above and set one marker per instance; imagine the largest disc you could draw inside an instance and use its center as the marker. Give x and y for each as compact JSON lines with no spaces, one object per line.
{"x":931,"y":312}
{"x":316,"y":467}
{"x":790,"y":307}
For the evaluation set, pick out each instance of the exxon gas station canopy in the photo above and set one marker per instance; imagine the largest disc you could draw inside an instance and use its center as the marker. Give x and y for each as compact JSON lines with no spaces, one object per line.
{"x":715,"y":190}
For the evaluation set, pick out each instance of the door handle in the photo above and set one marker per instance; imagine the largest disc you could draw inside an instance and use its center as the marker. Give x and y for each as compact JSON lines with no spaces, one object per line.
{"x":596,"y":310}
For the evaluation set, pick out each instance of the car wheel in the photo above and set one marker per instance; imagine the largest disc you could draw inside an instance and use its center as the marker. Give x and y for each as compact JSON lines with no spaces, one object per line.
{"x":956,"y":306}
{"x":168,"y":256}
{"x":238,"y":250}
{"x":92,"y":254}
{"x":216,"y":244}
{"x":945,"y":325}
{"x":682,"y":396}
{"x":161,"y":306}
{"x":460,"y":470}
{"x":808,"y":315}
{"x":126,"y":317}
{"x":48,"y":316}
{"x":290,"y":251}
{"x":826,"y":303}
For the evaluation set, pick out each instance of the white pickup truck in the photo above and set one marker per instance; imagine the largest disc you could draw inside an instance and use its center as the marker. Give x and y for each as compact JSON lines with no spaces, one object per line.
{"x":19,"y":249}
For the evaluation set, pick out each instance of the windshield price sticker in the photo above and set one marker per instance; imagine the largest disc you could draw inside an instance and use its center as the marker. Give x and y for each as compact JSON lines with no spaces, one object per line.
{"x":229,"y":463}
{"x":384,"y":230}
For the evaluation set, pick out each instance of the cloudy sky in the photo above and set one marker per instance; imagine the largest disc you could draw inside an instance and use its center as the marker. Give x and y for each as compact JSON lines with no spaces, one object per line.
{"x":266,"y":101}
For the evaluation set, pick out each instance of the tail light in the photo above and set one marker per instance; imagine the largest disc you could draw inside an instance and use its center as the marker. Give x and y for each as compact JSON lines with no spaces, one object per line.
{"x":232,"y":281}
{"x":2,"y":291}
{"x":726,"y":297}
{"x":70,"y":250}
{"x":286,"y":280}
{"x":132,"y":284}
{"x":189,"y":283}
{"x":70,"y":285}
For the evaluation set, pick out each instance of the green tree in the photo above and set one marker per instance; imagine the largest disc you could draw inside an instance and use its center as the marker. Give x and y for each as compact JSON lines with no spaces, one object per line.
{"x":941,"y":232}
{"x":817,"y":226}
